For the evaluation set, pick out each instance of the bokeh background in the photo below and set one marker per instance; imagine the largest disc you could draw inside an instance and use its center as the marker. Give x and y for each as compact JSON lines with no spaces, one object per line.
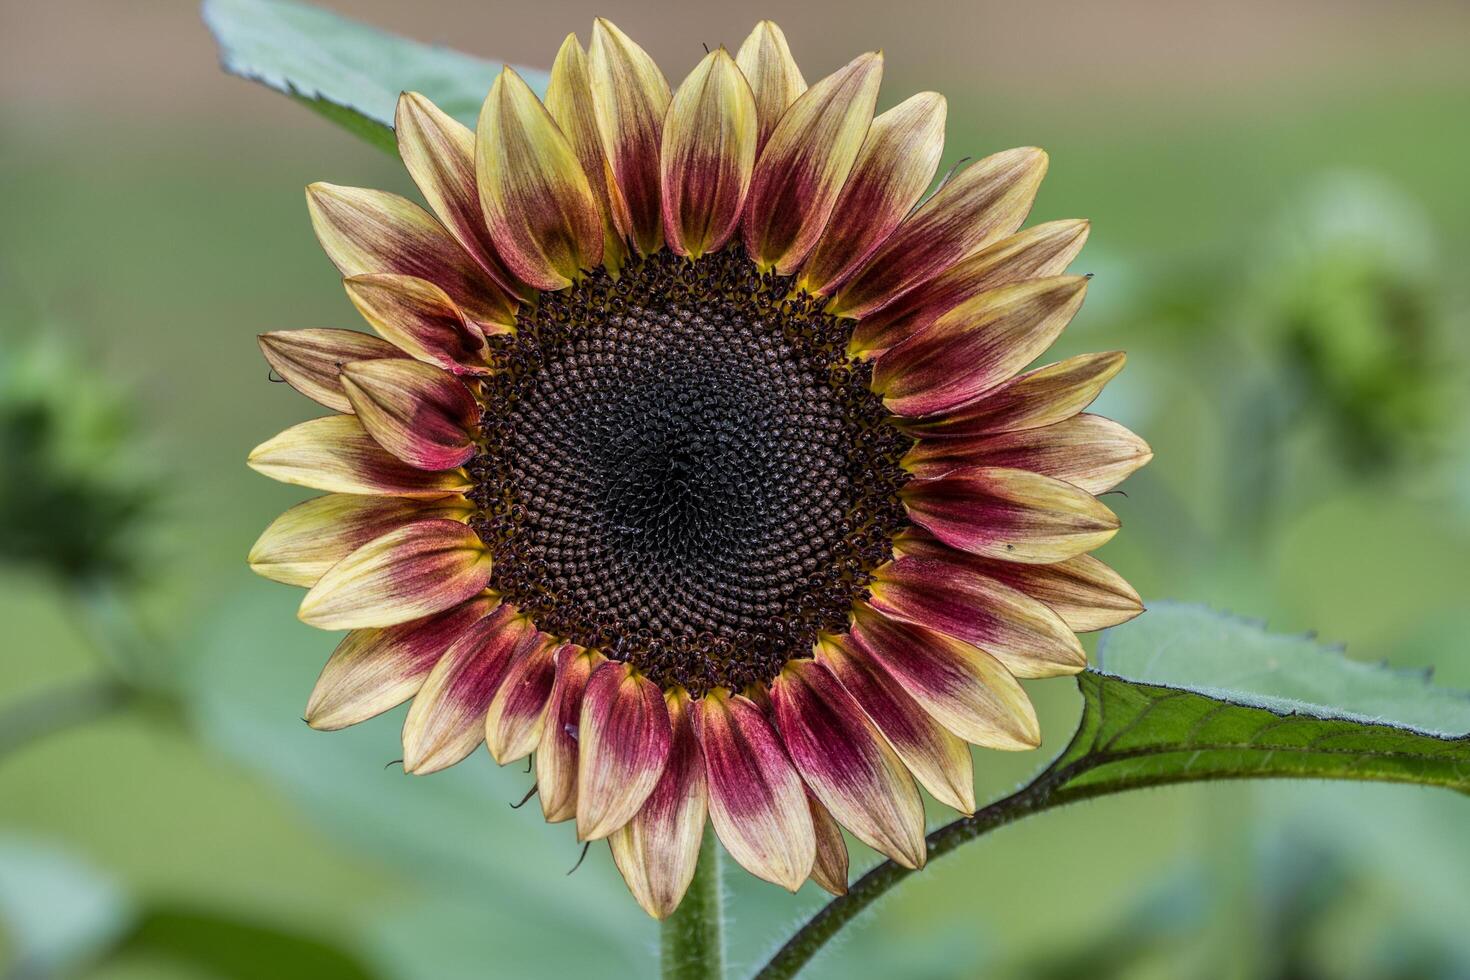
{"x":1281,"y":229}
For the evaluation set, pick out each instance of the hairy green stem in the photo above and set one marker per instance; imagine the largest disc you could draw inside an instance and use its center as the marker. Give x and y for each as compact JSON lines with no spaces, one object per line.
{"x":812,"y":936}
{"x":692,"y":939}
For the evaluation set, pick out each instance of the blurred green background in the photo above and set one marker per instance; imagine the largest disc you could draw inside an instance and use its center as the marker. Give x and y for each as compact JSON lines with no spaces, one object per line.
{"x":1281,"y":225}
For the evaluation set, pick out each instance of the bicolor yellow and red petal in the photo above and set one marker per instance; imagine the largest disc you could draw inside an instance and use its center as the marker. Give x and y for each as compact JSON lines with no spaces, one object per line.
{"x":623,"y":741}
{"x":829,"y":870}
{"x":708,"y":154}
{"x":514,"y":720}
{"x":537,"y":202}
{"x":632,"y":99}
{"x":658,"y":849}
{"x":365,"y":231}
{"x":447,"y":720}
{"x":414,"y":571}
{"x":416,"y":411}
{"x":938,"y":758}
{"x":439,"y":153}
{"x":336,"y":454}
{"x":556,"y":755}
{"x":421,"y":320}
{"x":976,"y":346}
{"x":1087,"y":451}
{"x":944,"y":591}
{"x":299,"y":546}
{"x":1013,"y":515}
{"x":1084,"y":592}
{"x":801,"y":171}
{"x":756,"y":799}
{"x":847,"y":764}
{"x":1035,"y":253}
{"x":966,"y":689}
{"x":1045,"y":396}
{"x":894,"y":167}
{"x":569,"y":100}
{"x":982,"y":203}
{"x":309,"y":360}
{"x":775,"y":79}
{"x":373,"y":670}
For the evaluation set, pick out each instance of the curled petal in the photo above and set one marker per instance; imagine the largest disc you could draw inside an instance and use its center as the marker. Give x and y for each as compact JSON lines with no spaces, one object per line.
{"x":632,"y":99}
{"x":439,"y":153}
{"x":414,"y":410}
{"x":1084,"y":592}
{"x":513,"y":723}
{"x":966,"y":689}
{"x":1087,"y":451}
{"x":985,"y":201}
{"x":569,"y":100}
{"x":309,"y":360}
{"x":802,"y":169}
{"x":1041,"y":397}
{"x":775,"y":79}
{"x":707,"y":157}
{"x":421,"y":320}
{"x":895,"y":165}
{"x":414,"y":571}
{"x":535,"y":196}
{"x":976,"y":346}
{"x":756,"y":800}
{"x":658,"y":849}
{"x":623,"y":743}
{"x":447,"y":720}
{"x":556,"y":755}
{"x":1035,"y":253}
{"x":373,"y":670}
{"x":946,"y":593}
{"x":1014,"y":515}
{"x":830,"y":868}
{"x":300,"y":545}
{"x":365,"y":231}
{"x":336,"y":454}
{"x":938,"y":758}
{"x":847,"y":764}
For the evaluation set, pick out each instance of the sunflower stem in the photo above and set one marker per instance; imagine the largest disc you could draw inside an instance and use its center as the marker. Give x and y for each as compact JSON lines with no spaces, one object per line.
{"x":692,"y":938}
{"x":811,"y":937}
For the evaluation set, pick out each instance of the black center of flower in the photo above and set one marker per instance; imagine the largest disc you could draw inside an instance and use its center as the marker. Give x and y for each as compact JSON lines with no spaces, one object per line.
{"x":684,"y":471}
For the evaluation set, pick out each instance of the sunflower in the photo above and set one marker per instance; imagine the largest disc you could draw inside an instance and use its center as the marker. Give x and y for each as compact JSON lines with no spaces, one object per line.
{"x":693,"y":455}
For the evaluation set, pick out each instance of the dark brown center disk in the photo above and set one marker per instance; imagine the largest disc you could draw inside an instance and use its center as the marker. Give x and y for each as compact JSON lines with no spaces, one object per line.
{"x":685,"y":471}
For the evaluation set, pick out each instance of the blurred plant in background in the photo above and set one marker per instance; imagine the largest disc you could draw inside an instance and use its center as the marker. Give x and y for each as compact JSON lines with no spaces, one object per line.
{"x":1346,"y":291}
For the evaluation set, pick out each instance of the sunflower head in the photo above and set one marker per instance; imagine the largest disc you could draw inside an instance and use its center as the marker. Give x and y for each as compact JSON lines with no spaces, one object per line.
{"x":692,"y":452}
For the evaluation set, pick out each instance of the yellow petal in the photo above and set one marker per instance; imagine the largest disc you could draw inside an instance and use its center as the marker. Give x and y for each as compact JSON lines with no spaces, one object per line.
{"x":569,"y":100}
{"x":775,"y":79}
{"x":803,"y":167}
{"x":708,"y":154}
{"x":632,"y":98}
{"x":536,"y":198}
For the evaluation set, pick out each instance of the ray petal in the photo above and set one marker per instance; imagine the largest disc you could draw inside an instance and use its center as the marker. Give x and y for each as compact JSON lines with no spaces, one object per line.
{"x":416,"y":411}
{"x":632,"y":99}
{"x":336,"y":454}
{"x":413,"y":571}
{"x":308,"y":360}
{"x":775,"y":79}
{"x":421,"y":320}
{"x":801,"y":171}
{"x":623,"y":743}
{"x":556,"y":755}
{"x":513,"y":722}
{"x":756,"y":799}
{"x":847,"y":764}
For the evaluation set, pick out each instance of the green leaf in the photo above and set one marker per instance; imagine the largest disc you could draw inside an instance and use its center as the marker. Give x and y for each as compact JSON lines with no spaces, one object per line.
{"x":1189,"y":694}
{"x":347,"y":71}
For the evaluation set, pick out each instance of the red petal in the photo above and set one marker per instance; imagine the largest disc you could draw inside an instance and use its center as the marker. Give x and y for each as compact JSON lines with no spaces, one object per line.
{"x":447,"y":720}
{"x":847,"y":764}
{"x":416,"y":411}
{"x":756,"y":799}
{"x":308,"y":360}
{"x":622,"y":744}
{"x":513,"y":723}
{"x":556,"y":756}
